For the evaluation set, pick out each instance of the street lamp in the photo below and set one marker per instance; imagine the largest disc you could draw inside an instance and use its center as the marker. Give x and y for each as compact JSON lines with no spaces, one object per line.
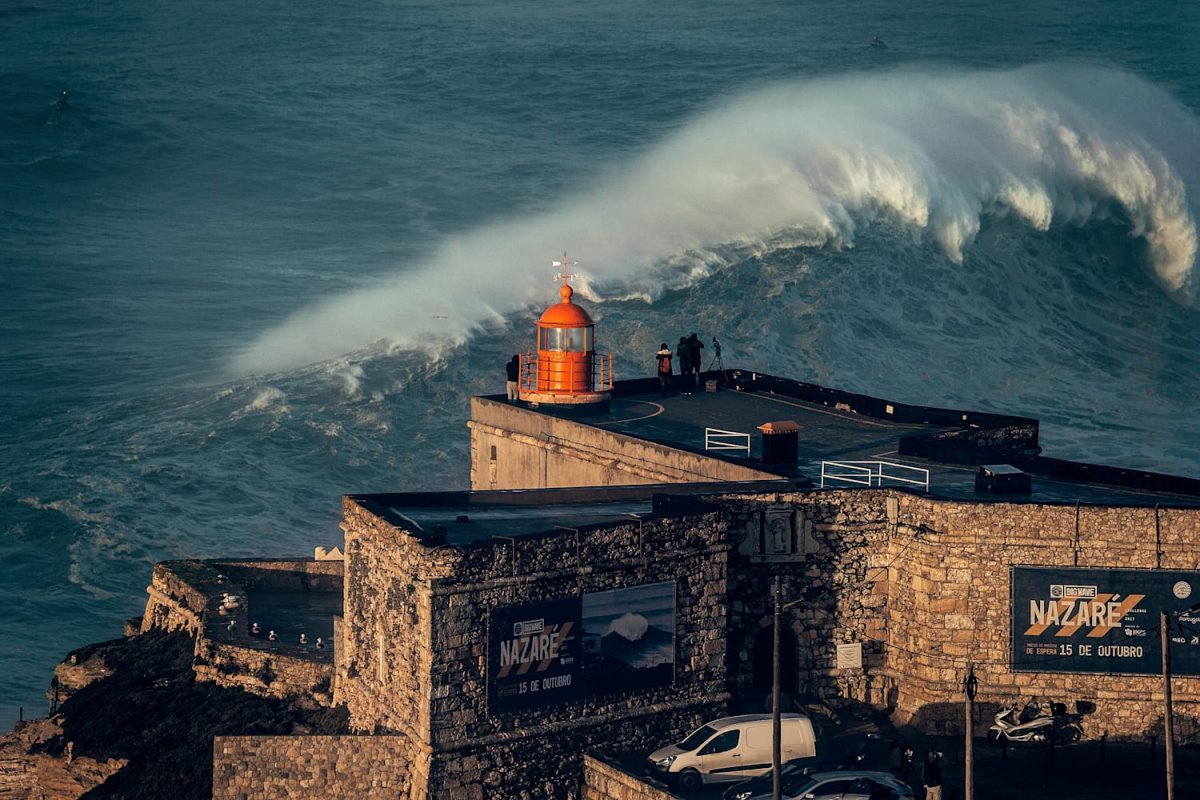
{"x":1168,"y":715}
{"x":776,"y":724}
{"x":970,"y":689}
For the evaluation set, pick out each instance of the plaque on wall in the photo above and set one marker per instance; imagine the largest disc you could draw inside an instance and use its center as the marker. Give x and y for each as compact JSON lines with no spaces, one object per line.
{"x":849,"y":656}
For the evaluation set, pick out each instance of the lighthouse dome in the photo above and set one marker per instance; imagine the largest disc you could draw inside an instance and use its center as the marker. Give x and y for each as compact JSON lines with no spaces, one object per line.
{"x":565,"y":314}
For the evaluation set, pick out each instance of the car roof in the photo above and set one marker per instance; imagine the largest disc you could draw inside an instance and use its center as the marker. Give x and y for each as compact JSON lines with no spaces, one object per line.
{"x":741,"y":718}
{"x":854,"y":773}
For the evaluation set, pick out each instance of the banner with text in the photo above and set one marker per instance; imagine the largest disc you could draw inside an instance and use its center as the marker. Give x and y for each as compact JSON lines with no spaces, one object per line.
{"x":561,"y":650}
{"x":533,"y":655}
{"x":1104,"y":620}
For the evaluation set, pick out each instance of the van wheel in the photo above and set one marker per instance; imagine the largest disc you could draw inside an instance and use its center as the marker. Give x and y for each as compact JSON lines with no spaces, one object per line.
{"x":690,"y":780}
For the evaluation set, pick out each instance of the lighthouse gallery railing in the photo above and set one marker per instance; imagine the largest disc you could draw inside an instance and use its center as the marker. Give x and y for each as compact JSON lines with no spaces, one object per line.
{"x":602,"y":376}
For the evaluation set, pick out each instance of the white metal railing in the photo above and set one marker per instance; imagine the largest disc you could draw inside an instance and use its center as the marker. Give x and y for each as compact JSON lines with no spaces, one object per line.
{"x":717,"y":439}
{"x":873,"y":473}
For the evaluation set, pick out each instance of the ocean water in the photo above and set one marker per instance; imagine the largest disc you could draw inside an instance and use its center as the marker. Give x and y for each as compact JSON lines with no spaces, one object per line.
{"x":269,"y":250}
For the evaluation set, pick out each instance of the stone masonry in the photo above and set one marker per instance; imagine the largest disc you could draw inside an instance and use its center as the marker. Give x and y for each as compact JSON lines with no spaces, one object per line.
{"x":925,"y":586}
{"x":415,"y":659}
{"x":286,"y":767}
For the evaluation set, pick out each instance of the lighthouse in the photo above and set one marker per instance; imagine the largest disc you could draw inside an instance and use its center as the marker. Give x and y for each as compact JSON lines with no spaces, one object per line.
{"x":566,"y":373}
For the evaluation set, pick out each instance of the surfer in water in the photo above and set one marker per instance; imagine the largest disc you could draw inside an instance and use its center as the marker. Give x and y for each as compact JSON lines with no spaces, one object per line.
{"x":62,"y":106}
{"x":877,"y":43}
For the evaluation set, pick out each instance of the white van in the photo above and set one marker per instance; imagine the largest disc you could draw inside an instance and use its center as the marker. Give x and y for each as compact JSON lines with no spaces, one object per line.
{"x":732,"y":749}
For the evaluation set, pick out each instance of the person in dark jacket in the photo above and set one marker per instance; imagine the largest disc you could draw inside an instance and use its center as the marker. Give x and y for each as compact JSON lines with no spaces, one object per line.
{"x":696,"y":346}
{"x":683,"y":352}
{"x":513,"y":370}
{"x":933,"y":776}
{"x":664,"y":369}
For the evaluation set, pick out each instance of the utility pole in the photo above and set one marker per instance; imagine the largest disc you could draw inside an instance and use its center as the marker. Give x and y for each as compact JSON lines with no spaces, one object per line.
{"x":1168,"y":718}
{"x":970,"y":687}
{"x":776,"y":782}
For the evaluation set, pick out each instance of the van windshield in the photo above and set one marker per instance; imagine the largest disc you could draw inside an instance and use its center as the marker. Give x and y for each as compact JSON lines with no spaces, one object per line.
{"x":699,"y":737}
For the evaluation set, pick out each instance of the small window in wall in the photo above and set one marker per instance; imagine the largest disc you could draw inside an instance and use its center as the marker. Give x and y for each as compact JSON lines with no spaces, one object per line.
{"x":493,"y":452}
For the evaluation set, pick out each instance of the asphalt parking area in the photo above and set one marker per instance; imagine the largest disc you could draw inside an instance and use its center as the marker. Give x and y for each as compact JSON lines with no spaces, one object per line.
{"x":1085,"y":770}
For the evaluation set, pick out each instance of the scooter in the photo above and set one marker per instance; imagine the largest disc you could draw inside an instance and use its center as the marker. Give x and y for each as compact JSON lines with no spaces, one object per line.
{"x":1034,"y":725}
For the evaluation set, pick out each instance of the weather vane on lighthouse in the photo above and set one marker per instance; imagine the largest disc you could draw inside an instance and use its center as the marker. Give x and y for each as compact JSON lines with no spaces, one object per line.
{"x":565,"y":265}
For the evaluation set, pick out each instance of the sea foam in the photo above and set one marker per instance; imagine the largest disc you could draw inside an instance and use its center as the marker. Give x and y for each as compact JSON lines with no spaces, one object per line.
{"x":808,"y":162}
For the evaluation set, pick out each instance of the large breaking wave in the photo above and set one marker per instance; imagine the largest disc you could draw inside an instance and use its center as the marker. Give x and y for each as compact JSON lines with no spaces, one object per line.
{"x":811,"y":162}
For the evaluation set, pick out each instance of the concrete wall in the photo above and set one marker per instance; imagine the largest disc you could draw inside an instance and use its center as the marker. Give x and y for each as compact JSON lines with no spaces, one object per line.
{"x":512,"y":448}
{"x":285,"y":767}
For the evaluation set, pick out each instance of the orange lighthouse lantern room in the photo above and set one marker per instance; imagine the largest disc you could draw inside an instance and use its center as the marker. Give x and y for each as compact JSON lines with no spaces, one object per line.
{"x":566,"y":373}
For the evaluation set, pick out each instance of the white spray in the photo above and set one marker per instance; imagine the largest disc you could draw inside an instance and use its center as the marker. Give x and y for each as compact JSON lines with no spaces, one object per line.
{"x":809,"y":162}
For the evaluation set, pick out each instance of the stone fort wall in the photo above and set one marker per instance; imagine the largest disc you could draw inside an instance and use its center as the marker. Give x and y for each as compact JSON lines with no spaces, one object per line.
{"x":287,"y":767}
{"x":925,"y":586}
{"x":922,"y":584}
{"x":512,"y":448}
{"x":416,"y":622}
{"x":951,"y":597}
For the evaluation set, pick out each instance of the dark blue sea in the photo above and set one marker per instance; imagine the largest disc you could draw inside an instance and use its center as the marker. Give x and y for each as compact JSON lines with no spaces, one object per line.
{"x":266,"y":251}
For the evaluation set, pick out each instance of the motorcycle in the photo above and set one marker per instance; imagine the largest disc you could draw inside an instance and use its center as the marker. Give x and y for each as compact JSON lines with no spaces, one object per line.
{"x":1034,"y":725}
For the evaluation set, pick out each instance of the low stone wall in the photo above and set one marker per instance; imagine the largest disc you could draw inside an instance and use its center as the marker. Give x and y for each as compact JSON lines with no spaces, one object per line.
{"x":264,"y":672}
{"x":177,"y":599}
{"x":186,"y":595}
{"x":549,"y":765}
{"x":603,"y":779}
{"x":287,"y":767}
{"x":296,"y":575}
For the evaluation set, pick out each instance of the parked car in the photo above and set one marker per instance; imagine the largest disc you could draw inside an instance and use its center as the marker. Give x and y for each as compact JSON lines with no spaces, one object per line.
{"x":796,"y":772}
{"x":850,"y":784}
{"x":732,"y":749}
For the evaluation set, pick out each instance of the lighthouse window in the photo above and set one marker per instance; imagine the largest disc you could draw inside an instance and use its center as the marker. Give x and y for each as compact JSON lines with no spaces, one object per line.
{"x":577,"y":339}
{"x":554,"y":339}
{"x":573,"y":340}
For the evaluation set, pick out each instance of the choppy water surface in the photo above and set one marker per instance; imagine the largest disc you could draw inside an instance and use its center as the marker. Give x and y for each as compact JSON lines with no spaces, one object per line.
{"x":267,"y":252}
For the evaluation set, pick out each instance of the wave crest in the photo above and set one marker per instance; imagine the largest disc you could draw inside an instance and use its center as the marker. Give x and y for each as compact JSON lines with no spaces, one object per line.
{"x":811,"y":161}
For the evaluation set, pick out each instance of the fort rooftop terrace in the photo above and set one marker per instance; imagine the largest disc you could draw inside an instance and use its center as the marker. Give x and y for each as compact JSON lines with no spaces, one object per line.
{"x":840,"y":427}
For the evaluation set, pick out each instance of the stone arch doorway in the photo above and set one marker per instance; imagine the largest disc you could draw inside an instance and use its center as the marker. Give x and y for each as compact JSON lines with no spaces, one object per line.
{"x":763,"y":666}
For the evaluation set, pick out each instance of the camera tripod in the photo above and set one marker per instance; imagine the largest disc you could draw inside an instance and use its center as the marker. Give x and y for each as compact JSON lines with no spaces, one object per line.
{"x":717,"y":362}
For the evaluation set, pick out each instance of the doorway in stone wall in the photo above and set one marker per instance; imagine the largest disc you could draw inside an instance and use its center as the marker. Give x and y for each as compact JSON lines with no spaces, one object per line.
{"x":763,"y":664}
